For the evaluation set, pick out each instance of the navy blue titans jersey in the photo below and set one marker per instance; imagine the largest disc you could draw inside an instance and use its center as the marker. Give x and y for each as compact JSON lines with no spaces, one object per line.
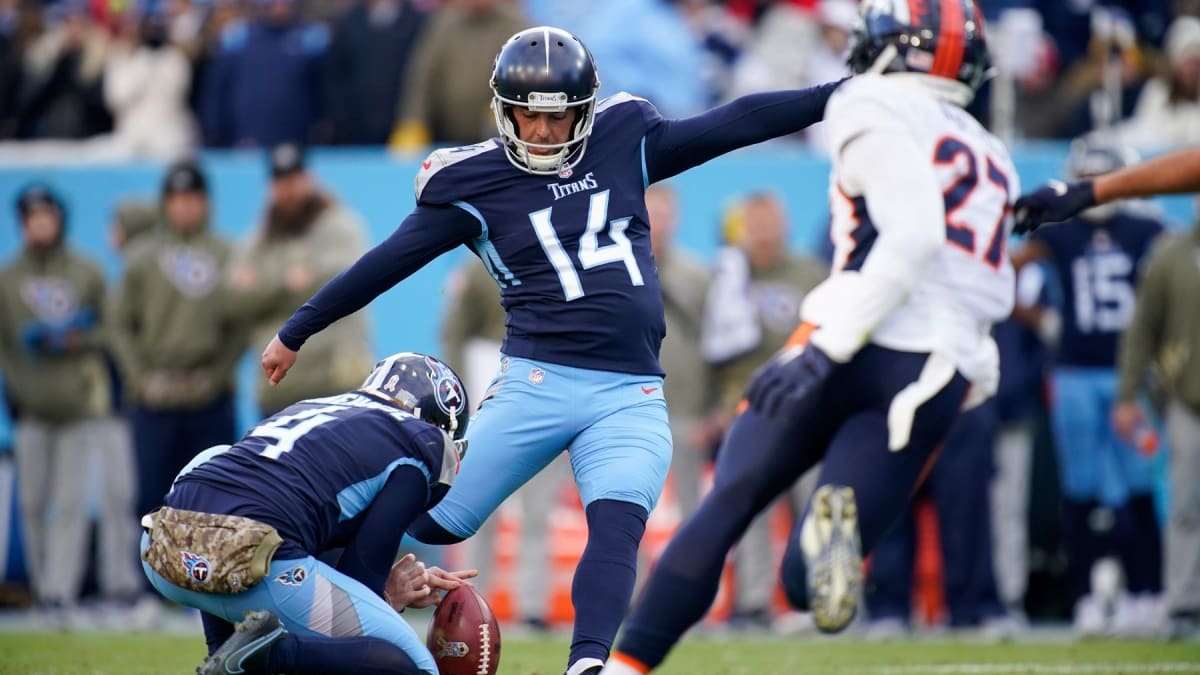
{"x":312,"y":469}
{"x":1098,"y":265}
{"x":571,"y":253}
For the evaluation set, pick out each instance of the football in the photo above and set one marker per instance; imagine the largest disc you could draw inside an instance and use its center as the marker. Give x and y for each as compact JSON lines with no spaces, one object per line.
{"x":464,"y":635}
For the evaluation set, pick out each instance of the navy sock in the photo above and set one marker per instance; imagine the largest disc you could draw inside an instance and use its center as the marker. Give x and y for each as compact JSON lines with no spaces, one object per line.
{"x":604,"y":578}
{"x":686,"y":578}
{"x":1082,"y":545}
{"x":427,"y":531}
{"x":761,"y":457}
{"x":216,"y":631}
{"x":888,"y":589}
{"x":1139,"y":545}
{"x":331,"y":656}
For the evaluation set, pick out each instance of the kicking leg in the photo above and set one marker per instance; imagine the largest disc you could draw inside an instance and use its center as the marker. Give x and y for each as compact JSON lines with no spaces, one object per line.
{"x":760,"y":459}
{"x":865,"y":483}
{"x":513,"y":436}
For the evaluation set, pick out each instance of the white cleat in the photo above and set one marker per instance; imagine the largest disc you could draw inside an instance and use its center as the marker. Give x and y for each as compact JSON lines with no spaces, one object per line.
{"x":833,"y":557}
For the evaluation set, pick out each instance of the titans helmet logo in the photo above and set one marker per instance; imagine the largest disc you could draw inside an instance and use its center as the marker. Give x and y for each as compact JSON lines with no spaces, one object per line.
{"x":196,"y":566}
{"x":449,"y":395}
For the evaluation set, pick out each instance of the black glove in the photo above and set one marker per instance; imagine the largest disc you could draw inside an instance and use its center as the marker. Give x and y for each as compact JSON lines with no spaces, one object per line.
{"x":1053,"y":202}
{"x":787,"y":378}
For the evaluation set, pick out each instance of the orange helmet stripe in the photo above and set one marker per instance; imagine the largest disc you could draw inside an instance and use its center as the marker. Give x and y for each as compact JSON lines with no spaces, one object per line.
{"x":951,"y":40}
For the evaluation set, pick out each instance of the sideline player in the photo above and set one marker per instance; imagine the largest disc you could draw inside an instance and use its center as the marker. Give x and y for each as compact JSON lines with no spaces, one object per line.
{"x":1097,"y":259}
{"x":555,"y":209}
{"x":349,"y":471}
{"x":892,"y":345}
{"x":1172,"y":173}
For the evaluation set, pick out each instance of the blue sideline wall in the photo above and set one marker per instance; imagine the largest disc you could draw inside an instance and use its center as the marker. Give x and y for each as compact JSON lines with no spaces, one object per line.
{"x":379,"y":187}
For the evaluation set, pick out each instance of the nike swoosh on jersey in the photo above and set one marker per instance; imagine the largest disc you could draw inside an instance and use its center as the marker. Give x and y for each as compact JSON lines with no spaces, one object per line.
{"x":649,"y":390}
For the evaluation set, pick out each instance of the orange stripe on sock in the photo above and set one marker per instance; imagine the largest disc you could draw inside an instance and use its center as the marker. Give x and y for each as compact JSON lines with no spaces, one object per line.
{"x":630,"y":661}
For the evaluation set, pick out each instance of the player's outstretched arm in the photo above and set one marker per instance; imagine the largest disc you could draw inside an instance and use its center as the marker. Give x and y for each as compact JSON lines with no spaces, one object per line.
{"x":1172,"y":173}
{"x":1054,"y":202}
{"x":426,"y":233}
{"x":674,"y":146}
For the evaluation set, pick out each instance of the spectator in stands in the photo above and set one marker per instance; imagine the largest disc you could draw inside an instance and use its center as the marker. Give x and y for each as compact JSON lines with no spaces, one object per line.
{"x":262,"y":87}
{"x":793,"y":47}
{"x":1168,"y":110}
{"x":751,"y":309}
{"x":370,"y":51}
{"x":722,"y":39}
{"x":645,"y":46}
{"x":224,"y":25}
{"x":185,"y":24}
{"x":472,"y":331}
{"x":146,"y":84}
{"x":61,"y":95}
{"x":51,"y":352}
{"x":779,"y":51}
{"x":446,"y":97}
{"x":304,"y":239}
{"x":176,"y":348}
{"x":18,"y":27}
{"x":1165,"y":334}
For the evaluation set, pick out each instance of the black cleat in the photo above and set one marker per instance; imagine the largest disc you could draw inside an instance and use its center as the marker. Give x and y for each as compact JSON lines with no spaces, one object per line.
{"x":246,"y":650}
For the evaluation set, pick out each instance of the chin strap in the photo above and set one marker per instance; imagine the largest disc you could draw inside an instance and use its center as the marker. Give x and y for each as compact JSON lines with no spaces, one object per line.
{"x":882,"y":61}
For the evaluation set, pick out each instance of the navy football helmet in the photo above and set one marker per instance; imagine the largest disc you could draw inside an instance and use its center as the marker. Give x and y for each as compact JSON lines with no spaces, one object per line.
{"x":428,"y":388}
{"x":941,"y":38}
{"x":544,"y":69}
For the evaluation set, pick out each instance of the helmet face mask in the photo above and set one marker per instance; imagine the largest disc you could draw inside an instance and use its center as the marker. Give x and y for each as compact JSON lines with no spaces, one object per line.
{"x":545,"y":70}
{"x":944,"y":40}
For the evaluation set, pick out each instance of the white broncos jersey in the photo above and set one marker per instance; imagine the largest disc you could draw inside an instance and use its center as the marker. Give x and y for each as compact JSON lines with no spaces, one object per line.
{"x":965,"y":286}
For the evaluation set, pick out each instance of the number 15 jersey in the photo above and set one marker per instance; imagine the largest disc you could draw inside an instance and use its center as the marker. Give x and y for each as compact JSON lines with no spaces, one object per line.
{"x":968,"y":286}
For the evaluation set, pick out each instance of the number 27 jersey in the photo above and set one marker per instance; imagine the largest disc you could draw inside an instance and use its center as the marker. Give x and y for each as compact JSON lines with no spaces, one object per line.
{"x":969,"y":284}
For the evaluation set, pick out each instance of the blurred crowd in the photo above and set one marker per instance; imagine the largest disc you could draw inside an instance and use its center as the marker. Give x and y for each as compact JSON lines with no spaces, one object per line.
{"x":113,"y":79}
{"x":141,"y":374}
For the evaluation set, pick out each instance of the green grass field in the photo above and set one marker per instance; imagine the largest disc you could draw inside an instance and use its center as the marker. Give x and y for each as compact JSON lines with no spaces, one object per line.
{"x":62,"y":654}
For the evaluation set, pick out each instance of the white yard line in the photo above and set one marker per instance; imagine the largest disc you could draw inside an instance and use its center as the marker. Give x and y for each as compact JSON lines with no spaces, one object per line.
{"x":1038,"y":668}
